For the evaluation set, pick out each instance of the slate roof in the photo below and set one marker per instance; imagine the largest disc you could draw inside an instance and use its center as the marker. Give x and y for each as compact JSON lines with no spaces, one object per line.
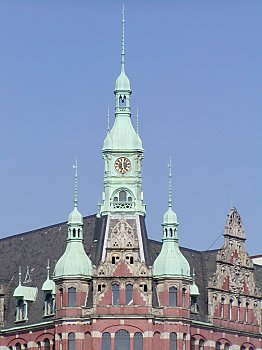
{"x":33,"y":248}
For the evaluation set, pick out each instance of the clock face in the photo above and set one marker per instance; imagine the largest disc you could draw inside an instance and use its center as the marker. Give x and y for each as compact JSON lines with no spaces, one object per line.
{"x":122,"y":165}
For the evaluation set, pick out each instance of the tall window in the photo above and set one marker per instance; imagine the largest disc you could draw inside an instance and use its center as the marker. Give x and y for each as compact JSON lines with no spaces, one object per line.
{"x":173,"y":341}
{"x":129,"y":294}
{"x":21,"y":313}
{"x":71,"y":341}
{"x":17,"y":346}
{"x":238,"y":309}
{"x":243,"y":347}
{"x":49,"y":304}
{"x":172,"y":296}
{"x":156,"y":341}
{"x":60,"y":339}
{"x":115,"y":294}
{"x":184,"y":297}
{"x":71,"y":297}
{"x":106,"y":341}
{"x":38,"y":345}
{"x":192,"y":343}
{"x":231,"y":308}
{"x":138,"y":341}
{"x":222,"y":311}
{"x":46,"y":344}
{"x":201,"y":344}
{"x":226,"y":346}
{"x":218,"y":345}
{"x":61,"y":297}
{"x":122,"y":196}
{"x":122,"y":340}
{"x":246,"y":313}
{"x":184,"y":341}
{"x":88,"y":341}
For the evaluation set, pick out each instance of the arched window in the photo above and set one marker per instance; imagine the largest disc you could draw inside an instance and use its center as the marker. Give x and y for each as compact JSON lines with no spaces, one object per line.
{"x":173,"y":341}
{"x":138,"y":341}
{"x":115,"y":294}
{"x":156,"y":341}
{"x":231,"y":301}
{"x":122,"y":340}
{"x":192,"y":343}
{"x":222,"y":310}
{"x":25,"y":347}
{"x":49,"y":304}
{"x":238,"y":309}
{"x":226,"y":346}
{"x":71,"y":297}
{"x":184,"y":341}
{"x":71,"y":341}
{"x":243,"y":347}
{"x":184,"y":297}
{"x":172,"y":296}
{"x":129,"y":294}
{"x":122,"y":196}
{"x":106,"y":341}
{"x":88,"y":341}
{"x":74,"y":232}
{"x":246,"y":313}
{"x":46,"y":344}
{"x":218,"y":345}
{"x":38,"y":345}
{"x":17,"y":346}
{"x":201,"y":344}
{"x":21,"y":310}
{"x":61,"y":297}
{"x":60,"y":346}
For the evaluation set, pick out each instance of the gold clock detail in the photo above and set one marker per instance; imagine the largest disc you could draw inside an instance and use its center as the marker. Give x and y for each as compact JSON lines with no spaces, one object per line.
{"x":122,"y":165}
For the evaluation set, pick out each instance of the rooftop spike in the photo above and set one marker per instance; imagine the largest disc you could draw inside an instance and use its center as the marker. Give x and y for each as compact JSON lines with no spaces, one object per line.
{"x":108,"y":119}
{"x":170,"y":184}
{"x":48,"y":269}
{"x":137,"y":120}
{"x":75,"y":166}
{"x":123,"y":41}
{"x":19,"y":276}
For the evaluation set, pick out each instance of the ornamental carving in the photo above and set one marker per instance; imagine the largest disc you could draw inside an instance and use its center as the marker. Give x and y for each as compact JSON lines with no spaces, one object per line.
{"x":236,"y":278}
{"x":234,"y":226}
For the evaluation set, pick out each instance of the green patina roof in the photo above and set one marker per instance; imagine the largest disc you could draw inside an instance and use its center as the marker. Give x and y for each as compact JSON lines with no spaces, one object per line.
{"x":74,"y":262}
{"x":75,"y":218}
{"x":122,"y":136}
{"x":49,"y":286}
{"x":26,"y":293}
{"x":171,"y":262}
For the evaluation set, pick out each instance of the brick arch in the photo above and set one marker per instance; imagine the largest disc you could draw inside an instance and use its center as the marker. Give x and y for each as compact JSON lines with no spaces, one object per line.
{"x":198,"y":336}
{"x":126,"y":327}
{"x":224,"y":341}
{"x":14,"y":341}
{"x":44,"y":336}
{"x":248,"y":345}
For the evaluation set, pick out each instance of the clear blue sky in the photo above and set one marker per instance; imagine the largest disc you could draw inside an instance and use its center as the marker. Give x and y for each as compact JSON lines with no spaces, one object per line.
{"x":195,"y":71}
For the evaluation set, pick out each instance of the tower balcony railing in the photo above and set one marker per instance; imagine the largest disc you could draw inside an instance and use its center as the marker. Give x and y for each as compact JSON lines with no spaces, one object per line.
{"x":122,"y":205}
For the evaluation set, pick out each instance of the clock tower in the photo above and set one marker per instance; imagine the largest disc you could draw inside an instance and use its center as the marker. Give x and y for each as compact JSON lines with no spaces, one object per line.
{"x":122,"y":154}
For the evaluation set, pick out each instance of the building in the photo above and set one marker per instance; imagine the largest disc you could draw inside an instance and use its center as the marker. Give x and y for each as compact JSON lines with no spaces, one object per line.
{"x":109,"y":287}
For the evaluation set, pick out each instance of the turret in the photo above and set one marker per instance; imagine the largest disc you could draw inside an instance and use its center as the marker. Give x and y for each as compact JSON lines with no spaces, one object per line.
{"x":74,"y":270}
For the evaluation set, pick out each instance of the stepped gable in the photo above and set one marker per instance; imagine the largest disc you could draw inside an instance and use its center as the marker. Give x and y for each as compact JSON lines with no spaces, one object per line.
{"x":33,"y":249}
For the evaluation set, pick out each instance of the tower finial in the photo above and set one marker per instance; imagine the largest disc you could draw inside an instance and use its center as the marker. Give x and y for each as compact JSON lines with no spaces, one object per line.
{"x":75,"y":166}
{"x":123,"y":40}
{"x":48,"y":269}
{"x":170,"y":184}
{"x":137,"y":120}
{"x":108,"y":119}
{"x":19,"y":276}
